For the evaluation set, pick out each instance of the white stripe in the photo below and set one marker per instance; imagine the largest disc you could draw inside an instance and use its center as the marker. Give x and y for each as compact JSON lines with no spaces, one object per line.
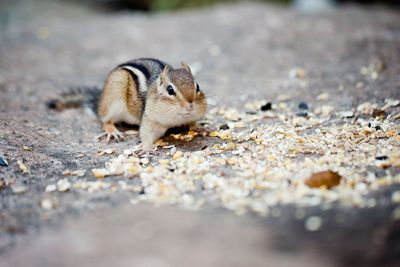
{"x":141,"y":78}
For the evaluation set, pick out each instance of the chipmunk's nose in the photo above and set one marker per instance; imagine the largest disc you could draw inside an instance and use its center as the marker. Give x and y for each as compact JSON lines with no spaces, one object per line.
{"x":189,"y":106}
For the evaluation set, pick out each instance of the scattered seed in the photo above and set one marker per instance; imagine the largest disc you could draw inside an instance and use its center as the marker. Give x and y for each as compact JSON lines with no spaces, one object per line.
{"x":78,"y":173}
{"x":108,"y":151}
{"x":313,"y":223}
{"x":177,"y":155}
{"x":47,"y":204}
{"x":396,"y":214}
{"x":50,"y":188}
{"x":131,"y":132}
{"x":396,"y":197}
{"x":346,"y":114}
{"x":63,"y":185}
{"x":27,"y":148}
{"x":323,"y":96}
{"x":23,"y":167}
{"x":297,"y":73}
{"x":19,"y":189}
{"x":257,"y":164}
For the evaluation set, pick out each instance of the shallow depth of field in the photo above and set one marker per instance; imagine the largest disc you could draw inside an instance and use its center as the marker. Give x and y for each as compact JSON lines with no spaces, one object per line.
{"x":296,"y":163}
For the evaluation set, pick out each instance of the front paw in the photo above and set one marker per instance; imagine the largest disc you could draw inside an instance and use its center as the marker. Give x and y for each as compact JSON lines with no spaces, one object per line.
{"x":146,"y":151}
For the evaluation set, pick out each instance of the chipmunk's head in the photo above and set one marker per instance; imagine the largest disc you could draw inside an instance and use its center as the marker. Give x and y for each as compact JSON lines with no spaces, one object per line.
{"x":180,"y":95}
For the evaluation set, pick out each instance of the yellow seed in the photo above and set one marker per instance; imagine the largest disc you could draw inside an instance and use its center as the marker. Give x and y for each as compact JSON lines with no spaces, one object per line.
{"x":163,"y":161}
{"x":27,"y":148}
{"x":177,"y":155}
{"x":214,"y":134}
{"x":231,"y":161}
{"x":192,"y":133}
{"x":99,"y":173}
{"x":176,"y":136}
{"x":221,"y":161}
{"x":390,"y":133}
{"x":132,"y":169}
{"x":225,"y":135}
{"x":23,"y":167}
{"x":196,"y":160}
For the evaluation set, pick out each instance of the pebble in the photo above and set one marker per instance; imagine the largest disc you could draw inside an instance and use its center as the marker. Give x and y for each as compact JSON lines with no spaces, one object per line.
{"x":381,"y":158}
{"x":303,"y":114}
{"x":3,"y":162}
{"x":326,"y":179}
{"x":303,"y":105}
{"x":313,"y":223}
{"x":266,"y":107}
{"x":224,"y":127}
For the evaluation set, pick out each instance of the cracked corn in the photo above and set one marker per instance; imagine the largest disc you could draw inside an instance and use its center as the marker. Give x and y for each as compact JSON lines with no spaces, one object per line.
{"x":265,"y":158}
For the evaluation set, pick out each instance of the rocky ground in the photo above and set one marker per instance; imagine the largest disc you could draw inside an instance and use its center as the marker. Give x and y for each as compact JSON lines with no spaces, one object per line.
{"x":344,"y":65}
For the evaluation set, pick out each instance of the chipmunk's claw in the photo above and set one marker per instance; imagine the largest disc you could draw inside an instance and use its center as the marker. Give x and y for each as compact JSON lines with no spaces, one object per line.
{"x":116,"y":135}
{"x":145,"y":153}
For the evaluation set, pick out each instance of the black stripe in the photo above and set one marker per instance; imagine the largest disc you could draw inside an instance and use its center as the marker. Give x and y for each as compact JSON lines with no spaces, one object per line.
{"x":141,"y":68}
{"x":158,"y":62}
{"x":135,"y":80}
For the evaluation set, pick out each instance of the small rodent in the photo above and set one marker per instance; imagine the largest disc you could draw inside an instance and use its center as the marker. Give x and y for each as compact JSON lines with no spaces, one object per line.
{"x":152,"y":94}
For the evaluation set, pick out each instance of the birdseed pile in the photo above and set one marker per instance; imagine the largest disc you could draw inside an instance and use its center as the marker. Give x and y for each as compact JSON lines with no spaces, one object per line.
{"x":263,"y":155}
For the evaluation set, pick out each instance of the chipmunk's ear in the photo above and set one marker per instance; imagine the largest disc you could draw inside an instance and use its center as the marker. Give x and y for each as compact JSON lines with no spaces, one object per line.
{"x":164,"y":74}
{"x":186,"y":67}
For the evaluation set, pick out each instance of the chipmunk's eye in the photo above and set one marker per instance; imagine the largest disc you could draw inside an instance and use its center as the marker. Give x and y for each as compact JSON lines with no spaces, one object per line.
{"x":170,"y":90}
{"x":197,"y":88}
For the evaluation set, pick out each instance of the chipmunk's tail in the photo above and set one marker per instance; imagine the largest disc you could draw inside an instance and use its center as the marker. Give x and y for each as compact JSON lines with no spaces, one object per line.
{"x":76,"y":98}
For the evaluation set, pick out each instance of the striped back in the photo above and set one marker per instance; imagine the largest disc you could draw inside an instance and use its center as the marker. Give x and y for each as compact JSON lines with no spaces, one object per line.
{"x":144,"y":71}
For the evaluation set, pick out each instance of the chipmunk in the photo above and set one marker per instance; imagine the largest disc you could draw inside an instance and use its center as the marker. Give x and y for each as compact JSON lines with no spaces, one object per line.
{"x":149,"y":93}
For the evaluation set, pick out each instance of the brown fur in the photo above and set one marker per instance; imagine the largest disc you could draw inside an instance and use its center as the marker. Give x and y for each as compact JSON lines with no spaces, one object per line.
{"x":133,"y":99}
{"x":183,"y":79}
{"x":120,"y":84}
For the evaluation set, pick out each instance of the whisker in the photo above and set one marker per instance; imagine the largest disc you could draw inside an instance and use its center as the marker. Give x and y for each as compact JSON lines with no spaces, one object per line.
{"x":213,"y":106}
{"x":208,"y":96}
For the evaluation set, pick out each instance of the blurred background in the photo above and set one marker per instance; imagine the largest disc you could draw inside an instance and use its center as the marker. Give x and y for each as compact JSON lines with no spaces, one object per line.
{"x":166,"y":5}
{"x":159,"y":5}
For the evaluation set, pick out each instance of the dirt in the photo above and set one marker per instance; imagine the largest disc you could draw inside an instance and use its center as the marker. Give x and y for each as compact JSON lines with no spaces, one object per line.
{"x":245,"y":52}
